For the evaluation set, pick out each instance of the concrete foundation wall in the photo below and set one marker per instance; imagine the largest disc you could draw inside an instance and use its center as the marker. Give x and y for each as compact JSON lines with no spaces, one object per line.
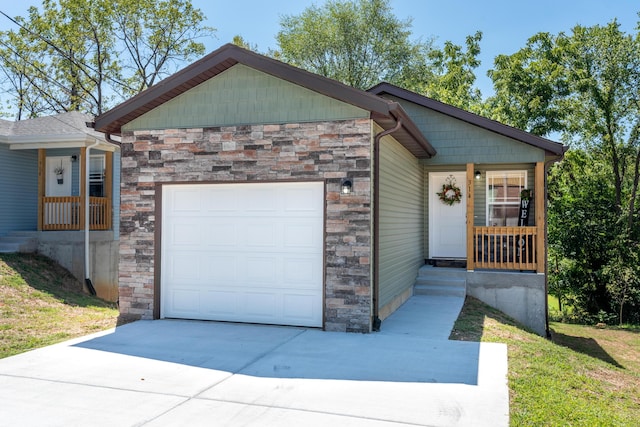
{"x":67,"y":248}
{"x":519,"y":295}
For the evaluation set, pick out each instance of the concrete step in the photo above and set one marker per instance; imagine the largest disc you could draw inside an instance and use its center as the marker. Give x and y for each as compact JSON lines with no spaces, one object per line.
{"x":441,"y":281}
{"x":439,"y":290}
{"x":431,"y":271}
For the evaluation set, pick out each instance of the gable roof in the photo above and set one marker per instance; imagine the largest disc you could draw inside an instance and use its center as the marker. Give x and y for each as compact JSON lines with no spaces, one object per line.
{"x":385,"y":112}
{"x":551,"y":147}
{"x":63,"y":130}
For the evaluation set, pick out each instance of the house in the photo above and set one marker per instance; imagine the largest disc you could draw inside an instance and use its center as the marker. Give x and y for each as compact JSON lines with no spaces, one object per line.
{"x":45,"y":196}
{"x":255,"y":191}
{"x":504,"y":246}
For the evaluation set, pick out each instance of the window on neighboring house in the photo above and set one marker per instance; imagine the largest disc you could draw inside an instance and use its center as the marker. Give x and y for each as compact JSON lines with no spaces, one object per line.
{"x":503,"y":196}
{"x":96,"y":176}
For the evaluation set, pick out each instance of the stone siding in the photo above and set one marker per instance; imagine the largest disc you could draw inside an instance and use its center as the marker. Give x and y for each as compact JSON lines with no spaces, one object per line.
{"x":325,"y":151}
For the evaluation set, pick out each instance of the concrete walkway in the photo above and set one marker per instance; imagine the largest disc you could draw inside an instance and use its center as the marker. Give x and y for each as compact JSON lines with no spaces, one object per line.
{"x":173,"y":372}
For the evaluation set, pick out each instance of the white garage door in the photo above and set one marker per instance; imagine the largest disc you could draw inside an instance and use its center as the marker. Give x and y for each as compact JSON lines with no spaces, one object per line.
{"x":243,"y":252}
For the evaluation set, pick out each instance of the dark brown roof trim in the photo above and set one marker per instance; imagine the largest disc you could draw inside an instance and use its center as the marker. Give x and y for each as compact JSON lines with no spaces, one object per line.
{"x":229,"y":55}
{"x":549,"y":146}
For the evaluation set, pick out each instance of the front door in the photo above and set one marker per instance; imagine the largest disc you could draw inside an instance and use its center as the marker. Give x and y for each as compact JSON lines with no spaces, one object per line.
{"x":58,"y":184}
{"x":447,"y":223}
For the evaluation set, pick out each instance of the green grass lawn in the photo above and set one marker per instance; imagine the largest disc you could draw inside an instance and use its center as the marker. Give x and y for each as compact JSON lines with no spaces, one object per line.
{"x":583,"y":376}
{"x":41,"y":303}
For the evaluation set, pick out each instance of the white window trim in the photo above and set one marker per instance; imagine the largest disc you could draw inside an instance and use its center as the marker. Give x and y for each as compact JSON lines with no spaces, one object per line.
{"x":93,"y":177}
{"x":502,"y":173}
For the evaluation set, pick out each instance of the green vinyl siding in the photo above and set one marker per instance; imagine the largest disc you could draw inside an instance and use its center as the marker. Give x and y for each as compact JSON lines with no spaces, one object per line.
{"x":401,"y":220}
{"x":242,"y":95}
{"x":458,"y":142}
{"x":479,"y":190}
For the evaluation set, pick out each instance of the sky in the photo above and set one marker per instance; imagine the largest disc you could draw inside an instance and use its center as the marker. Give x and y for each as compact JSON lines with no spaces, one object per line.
{"x":506,"y":24}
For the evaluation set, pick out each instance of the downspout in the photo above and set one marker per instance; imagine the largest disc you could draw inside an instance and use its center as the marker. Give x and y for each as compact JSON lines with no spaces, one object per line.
{"x":375,"y":321}
{"x":87,"y":220}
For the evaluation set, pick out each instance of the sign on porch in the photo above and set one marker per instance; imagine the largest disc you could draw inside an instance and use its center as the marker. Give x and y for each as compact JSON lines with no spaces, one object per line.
{"x":523,"y":215}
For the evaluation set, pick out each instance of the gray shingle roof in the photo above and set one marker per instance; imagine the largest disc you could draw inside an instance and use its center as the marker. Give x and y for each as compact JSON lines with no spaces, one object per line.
{"x":70,"y":124}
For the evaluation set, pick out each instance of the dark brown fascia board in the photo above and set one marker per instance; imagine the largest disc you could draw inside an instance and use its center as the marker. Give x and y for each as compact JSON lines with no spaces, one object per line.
{"x":217,"y":62}
{"x":410,"y":127}
{"x":547,"y":145}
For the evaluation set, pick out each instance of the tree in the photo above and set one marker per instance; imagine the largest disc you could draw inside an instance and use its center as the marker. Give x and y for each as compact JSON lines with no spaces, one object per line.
{"x":87,"y":55}
{"x":448,"y":75}
{"x":157,"y":35}
{"x":20,"y":68}
{"x":361,"y":43}
{"x":582,"y":229}
{"x":358,"y":42}
{"x":586,"y":86}
{"x":530,"y":85}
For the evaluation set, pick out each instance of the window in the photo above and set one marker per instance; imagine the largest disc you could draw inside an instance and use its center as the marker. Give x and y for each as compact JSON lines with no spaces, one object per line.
{"x":96,"y":176}
{"x":503,"y":196}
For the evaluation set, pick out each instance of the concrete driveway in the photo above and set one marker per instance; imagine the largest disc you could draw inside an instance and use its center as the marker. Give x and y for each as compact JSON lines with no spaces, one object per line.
{"x":174,"y":372}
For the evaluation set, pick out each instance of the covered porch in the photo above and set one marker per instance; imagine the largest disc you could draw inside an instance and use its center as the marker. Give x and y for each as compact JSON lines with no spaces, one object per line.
{"x":69,"y":212}
{"x":507,"y":247}
{"x":72,"y":179}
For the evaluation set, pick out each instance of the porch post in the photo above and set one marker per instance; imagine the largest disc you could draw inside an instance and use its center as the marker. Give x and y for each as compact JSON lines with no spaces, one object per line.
{"x":470,"y":206}
{"x":83,"y":187}
{"x":540,"y":217}
{"x":42,"y":158}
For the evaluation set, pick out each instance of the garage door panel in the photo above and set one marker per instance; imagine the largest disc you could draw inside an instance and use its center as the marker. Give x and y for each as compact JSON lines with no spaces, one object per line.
{"x":186,"y":202}
{"x":249,"y":253}
{"x":185,"y":234}
{"x":261,"y":234}
{"x":261,"y":306}
{"x":220,"y":234}
{"x":301,"y":201}
{"x":258,"y":199}
{"x":220,"y":200}
{"x":219,"y":303}
{"x":299,"y":306}
{"x":301,"y":235}
{"x":184,"y":267}
{"x":185,"y":301}
{"x":221,"y":269}
{"x":262,"y":269}
{"x":302,"y":272}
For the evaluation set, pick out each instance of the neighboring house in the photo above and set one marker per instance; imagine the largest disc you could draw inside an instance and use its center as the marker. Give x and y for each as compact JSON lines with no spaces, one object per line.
{"x":43,"y":194}
{"x":254,"y":191}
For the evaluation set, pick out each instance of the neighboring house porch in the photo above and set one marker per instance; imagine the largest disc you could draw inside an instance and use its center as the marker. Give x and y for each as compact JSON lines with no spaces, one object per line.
{"x":62,"y":196}
{"x":56,"y":176}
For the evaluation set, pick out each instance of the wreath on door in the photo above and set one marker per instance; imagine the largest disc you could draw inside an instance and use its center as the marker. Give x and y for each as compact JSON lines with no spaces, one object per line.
{"x":450,"y":193}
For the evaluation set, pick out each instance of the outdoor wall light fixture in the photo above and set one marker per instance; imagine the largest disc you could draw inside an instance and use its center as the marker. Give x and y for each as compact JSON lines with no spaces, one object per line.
{"x":478,"y":175}
{"x":346,"y":186}
{"x":74,"y":158}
